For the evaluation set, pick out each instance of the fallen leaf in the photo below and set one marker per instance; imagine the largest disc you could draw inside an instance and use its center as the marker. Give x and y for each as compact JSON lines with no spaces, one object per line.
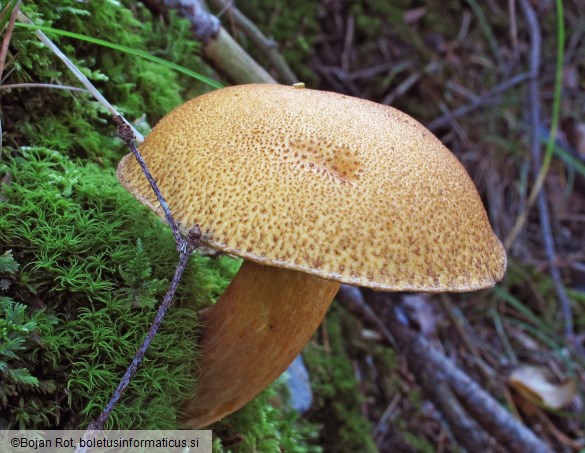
{"x":536,"y":384}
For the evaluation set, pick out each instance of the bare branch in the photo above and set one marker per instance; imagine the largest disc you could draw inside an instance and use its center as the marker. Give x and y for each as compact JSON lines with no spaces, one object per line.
{"x":482,"y":407}
{"x":8,"y":36}
{"x":220,"y":49}
{"x":185,"y":246}
{"x":266,"y":46}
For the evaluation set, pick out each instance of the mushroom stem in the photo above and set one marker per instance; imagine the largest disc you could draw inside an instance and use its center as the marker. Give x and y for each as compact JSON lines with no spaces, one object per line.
{"x":250,"y":336}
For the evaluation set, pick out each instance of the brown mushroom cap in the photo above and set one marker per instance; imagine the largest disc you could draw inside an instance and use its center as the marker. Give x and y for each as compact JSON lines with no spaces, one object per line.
{"x":323,"y":183}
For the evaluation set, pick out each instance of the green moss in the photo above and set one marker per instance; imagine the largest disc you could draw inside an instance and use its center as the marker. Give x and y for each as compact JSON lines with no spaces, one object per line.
{"x":337,"y":405}
{"x":19,"y":332}
{"x":72,"y":122}
{"x":95,"y":260}
{"x":265,"y":425}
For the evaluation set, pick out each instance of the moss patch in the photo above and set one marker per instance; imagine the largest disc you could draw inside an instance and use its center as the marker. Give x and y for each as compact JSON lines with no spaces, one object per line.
{"x":82,"y":264}
{"x":71,"y":121}
{"x":92,"y":264}
{"x":337,"y":406}
{"x":266,"y":425}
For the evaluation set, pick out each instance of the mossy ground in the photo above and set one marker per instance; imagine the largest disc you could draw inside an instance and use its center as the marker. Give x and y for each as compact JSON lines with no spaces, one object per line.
{"x":93,"y":264}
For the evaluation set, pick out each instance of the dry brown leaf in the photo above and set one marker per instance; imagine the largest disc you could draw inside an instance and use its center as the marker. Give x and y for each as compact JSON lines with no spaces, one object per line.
{"x":535,"y":384}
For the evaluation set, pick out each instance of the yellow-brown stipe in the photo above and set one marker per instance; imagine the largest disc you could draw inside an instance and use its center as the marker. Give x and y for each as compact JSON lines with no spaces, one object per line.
{"x":262,"y":322}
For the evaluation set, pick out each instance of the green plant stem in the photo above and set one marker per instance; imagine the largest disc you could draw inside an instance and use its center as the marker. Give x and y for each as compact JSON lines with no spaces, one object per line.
{"x":550,"y":144}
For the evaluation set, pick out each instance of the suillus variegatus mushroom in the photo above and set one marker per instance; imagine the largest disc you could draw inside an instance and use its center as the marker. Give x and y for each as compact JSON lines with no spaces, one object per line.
{"x":311,"y":189}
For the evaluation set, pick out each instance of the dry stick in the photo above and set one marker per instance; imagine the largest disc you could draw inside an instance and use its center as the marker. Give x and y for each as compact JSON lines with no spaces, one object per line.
{"x":498,"y":422}
{"x":443,"y":120}
{"x":464,"y":430}
{"x":185,"y":246}
{"x":409,"y":82}
{"x":222,"y":52}
{"x":352,"y":298}
{"x":267,"y":46}
{"x":460,"y":323}
{"x":7,"y":37}
{"x":484,"y":409}
{"x":545,"y":225}
{"x":347,"y":43}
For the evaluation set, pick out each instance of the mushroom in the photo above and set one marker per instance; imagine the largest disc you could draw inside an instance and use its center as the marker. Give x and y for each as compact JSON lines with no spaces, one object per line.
{"x":311,"y":189}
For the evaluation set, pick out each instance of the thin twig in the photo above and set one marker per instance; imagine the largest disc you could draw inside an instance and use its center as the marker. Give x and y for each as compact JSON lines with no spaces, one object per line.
{"x":7,"y":37}
{"x":352,"y":299}
{"x":167,"y":301}
{"x":460,"y":323}
{"x":185,"y":246}
{"x":445,"y":119}
{"x":409,"y":82}
{"x":42,"y":85}
{"x":347,"y":43}
{"x":126,"y":134}
{"x":381,"y":428}
{"x":266,"y":46}
{"x":539,"y":172}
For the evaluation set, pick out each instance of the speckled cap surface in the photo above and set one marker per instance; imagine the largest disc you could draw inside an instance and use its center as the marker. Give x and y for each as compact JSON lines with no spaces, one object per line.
{"x":323,"y":183}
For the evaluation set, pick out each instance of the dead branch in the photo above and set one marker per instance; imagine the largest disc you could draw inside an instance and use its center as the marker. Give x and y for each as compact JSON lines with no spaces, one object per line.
{"x":479,"y":409}
{"x":185,"y":246}
{"x":222,"y":52}
{"x":8,"y":36}
{"x":266,"y":46}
